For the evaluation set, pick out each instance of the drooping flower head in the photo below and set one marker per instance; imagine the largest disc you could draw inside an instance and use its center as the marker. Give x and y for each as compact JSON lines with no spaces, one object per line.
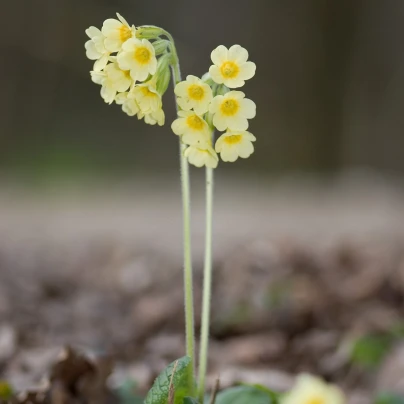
{"x":312,"y":390}
{"x":230,"y":66}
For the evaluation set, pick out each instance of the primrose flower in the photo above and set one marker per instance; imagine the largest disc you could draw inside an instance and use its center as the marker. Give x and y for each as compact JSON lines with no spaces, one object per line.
{"x":116,"y":33}
{"x":232,"y":111}
{"x":193,"y":93}
{"x":153,"y":117}
{"x":312,"y":390}
{"x":232,"y":145}
{"x":146,"y":96}
{"x":139,"y":57}
{"x":192,"y":128}
{"x":112,"y":80}
{"x":95,"y":49}
{"x":230,"y":66}
{"x":201,"y":157}
{"x":129,"y":105}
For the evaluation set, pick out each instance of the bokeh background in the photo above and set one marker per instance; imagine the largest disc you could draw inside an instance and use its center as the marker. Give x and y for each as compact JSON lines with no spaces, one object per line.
{"x":308,"y":232}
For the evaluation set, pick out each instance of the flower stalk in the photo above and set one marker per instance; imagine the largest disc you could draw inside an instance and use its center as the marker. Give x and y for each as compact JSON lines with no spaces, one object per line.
{"x":207,"y":287}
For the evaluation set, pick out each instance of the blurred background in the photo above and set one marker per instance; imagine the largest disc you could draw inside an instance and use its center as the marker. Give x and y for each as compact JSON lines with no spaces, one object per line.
{"x":312,"y":222}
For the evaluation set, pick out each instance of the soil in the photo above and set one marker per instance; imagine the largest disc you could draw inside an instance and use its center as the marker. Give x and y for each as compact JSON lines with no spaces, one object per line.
{"x":300,"y":274}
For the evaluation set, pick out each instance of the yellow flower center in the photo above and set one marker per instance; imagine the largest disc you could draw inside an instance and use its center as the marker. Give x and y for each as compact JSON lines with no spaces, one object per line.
{"x":147,"y":93}
{"x":229,"y":70}
{"x":194,"y":122}
{"x":126,"y":73}
{"x":142,"y":55}
{"x":316,"y":400}
{"x":233,"y":139}
{"x":229,"y":107}
{"x":195,"y":92}
{"x":124,"y":33}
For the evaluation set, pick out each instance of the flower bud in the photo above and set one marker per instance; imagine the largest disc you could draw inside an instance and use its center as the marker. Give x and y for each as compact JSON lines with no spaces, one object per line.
{"x":160,"y":46}
{"x":148,"y":32}
{"x":163,"y":74}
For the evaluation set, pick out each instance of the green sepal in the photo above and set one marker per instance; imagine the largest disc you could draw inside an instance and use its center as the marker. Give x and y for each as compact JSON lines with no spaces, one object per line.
{"x":182,"y":383}
{"x":148,"y":32}
{"x":160,"y":46}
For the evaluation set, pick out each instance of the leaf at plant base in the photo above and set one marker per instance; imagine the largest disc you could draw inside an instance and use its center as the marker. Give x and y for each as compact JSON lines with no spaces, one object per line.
{"x":388,"y":398}
{"x":272,"y":394}
{"x":6,"y":391}
{"x":368,"y":351}
{"x":127,"y":393}
{"x":190,"y":400}
{"x":182,"y":383}
{"x":244,"y":395}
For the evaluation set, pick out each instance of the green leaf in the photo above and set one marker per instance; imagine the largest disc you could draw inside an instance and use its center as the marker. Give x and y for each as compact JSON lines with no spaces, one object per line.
{"x":245,"y":395}
{"x":6,"y":391}
{"x":127,"y":393}
{"x":388,"y":398}
{"x":272,"y":394}
{"x":369,"y":351}
{"x":182,"y":383}
{"x":190,"y":400}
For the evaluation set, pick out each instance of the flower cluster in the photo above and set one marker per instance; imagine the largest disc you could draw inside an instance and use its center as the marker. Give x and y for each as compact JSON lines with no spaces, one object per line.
{"x":311,"y":390}
{"x":210,"y":103}
{"x":127,"y":68}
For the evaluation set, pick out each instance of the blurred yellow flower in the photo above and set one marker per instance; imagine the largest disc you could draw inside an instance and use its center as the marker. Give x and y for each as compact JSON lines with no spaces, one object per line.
{"x":201,"y":157}
{"x":112,"y":80}
{"x":146,"y":96}
{"x":193,"y":93}
{"x":95,"y":49}
{"x":232,"y":145}
{"x":230,"y":66}
{"x":129,"y":105}
{"x":138,"y":56}
{"x":116,"y":33}
{"x":312,"y":390}
{"x":231,"y":111}
{"x":192,"y":128}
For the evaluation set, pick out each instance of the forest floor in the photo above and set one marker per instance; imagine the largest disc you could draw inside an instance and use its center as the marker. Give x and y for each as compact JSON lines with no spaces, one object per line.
{"x":307,"y":278}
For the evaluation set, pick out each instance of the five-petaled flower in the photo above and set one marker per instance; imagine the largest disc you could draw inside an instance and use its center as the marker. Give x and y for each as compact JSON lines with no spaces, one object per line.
{"x":138,"y":56}
{"x":192,"y":128}
{"x":232,"y":145}
{"x":230,"y":66}
{"x":232,"y":111}
{"x":312,"y":390}
{"x":117,"y":32}
{"x":95,"y":48}
{"x":194,"y":94}
{"x":201,"y":157}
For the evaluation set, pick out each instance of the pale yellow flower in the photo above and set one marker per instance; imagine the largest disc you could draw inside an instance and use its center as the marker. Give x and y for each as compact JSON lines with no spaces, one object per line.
{"x":95,"y":49}
{"x":146,"y":96}
{"x":230,"y":66}
{"x":192,"y":128}
{"x":129,"y":105}
{"x":138,"y":56}
{"x":232,"y":111}
{"x":232,"y":145}
{"x":112,"y":80}
{"x":193,"y":93}
{"x":153,"y":117}
{"x":116,"y":33}
{"x":201,"y":157}
{"x":312,"y":390}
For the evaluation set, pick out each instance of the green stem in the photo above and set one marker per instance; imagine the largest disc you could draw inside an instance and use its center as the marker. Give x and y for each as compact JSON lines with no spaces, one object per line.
{"x":186,"y":206}
{"x":207,"y":287}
